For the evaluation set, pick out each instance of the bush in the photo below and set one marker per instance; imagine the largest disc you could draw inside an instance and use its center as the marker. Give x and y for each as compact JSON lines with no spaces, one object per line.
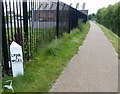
{"x":110,"y":18}
{"x":52,"y":48}
{"x":80,"y":24}
{"x":75,"y":31}
{"x":66,"y":37}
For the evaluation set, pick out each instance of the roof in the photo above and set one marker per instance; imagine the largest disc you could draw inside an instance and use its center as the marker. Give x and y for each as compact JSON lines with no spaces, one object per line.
{"x":47,"y":6}
{"x":52,"y":6}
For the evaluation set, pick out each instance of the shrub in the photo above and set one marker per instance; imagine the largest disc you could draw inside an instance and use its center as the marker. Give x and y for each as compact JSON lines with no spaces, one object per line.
{"x":80,"y":24}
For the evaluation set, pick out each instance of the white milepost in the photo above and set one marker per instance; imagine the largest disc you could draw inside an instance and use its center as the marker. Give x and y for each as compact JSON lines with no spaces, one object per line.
{"x":16,"y":59}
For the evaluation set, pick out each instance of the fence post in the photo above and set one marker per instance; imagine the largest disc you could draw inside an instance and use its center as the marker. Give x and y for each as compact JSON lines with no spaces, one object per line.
{"x":57,"y":19}
{"x":25,"y":24}
{"x":4,"y":44}
{"x":0,"y":46}
{"x":69,"y":27}
{"x":0,"y":33}
{"x":32,"y":17}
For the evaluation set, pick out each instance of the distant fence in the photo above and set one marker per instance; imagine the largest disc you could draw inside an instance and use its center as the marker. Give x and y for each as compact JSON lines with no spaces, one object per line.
{"x":33,"y":24}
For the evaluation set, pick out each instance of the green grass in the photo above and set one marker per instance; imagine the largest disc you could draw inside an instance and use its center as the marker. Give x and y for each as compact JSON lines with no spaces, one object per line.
{"x":113,"y":39}
{"x":49,"y":62}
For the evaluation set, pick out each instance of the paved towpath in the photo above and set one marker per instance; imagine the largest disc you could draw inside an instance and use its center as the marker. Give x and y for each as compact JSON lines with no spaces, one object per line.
{"x":93,"y":69}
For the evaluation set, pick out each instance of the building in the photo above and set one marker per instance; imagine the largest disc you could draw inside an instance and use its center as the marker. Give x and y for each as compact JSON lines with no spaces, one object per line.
{"x":45,"y":12}
{"x":84,"y":11}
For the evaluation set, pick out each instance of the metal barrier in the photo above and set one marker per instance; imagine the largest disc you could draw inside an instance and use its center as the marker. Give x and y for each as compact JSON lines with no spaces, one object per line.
{"x":33,"y":24}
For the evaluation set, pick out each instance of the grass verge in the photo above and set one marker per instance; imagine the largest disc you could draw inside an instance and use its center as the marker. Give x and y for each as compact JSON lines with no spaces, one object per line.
{"x":48,"y":63}
{"x":112,"y":37}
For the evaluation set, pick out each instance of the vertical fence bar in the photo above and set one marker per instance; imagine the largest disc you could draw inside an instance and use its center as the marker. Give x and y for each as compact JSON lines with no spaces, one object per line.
{"x":43,"y":23}
{"x":32,"y":44}
{"x":49,"y":22}
{"x":10,"y":25}
{"x":18,"y":35}
{"x":25,"y":23}
{"x":4,"y":44}
{"x":39,"y":21}
{"x":1,"y":46}
{"x":32,"y":7}
{"x":57,"y":20}
{"x":8,"y":32}
{"x":35,"y":31}
{"x":14,"y":18}
{"x":33,"y":24}
{"x":30,"y":27}
{"x":1,"y":33}
{"x":11,"y":21}
{"x":69,"y":25}
{"x":45,"y":10}
{"x":46,"y":32}
{"x":21,"y":24}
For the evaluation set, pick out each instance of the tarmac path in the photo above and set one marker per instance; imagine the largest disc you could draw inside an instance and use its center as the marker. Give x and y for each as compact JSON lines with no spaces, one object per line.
{"x":93,"y":69}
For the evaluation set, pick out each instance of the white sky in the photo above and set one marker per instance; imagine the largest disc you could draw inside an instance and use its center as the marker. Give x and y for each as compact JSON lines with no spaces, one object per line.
{"x":91,"y":5}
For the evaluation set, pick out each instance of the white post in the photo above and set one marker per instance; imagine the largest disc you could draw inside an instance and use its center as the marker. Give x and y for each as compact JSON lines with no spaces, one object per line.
{"x":16,"y":59}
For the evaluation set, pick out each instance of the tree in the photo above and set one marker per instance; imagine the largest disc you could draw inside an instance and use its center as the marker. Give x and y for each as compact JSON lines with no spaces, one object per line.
{"x":92,"y":17}
{"x":110,"y":17}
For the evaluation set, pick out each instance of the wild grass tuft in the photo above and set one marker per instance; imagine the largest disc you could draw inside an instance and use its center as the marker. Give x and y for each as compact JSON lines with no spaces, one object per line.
{"x":80,"y":24}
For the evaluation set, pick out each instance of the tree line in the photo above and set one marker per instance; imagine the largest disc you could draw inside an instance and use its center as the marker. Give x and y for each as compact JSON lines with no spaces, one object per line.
{"x":110,"y":17}
{"x":92,"y":17}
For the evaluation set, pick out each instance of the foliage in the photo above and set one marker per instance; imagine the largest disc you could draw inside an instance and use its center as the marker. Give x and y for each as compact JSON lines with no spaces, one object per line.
{"x":110,"y":17}
{"x":80,"y":24}
{"x":92,"y":17}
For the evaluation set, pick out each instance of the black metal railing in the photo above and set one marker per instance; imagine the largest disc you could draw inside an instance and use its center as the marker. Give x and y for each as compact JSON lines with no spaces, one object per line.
{"x":33,"y":24}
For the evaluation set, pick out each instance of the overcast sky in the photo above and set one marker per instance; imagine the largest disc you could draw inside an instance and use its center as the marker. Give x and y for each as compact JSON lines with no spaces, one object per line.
{"x":91,"y":5}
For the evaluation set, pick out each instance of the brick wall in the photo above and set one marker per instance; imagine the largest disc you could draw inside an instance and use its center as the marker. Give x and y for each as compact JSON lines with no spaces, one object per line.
{"x":47,"y":15}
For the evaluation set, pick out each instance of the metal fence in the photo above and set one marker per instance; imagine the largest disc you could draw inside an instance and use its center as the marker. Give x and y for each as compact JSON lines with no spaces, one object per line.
{"x":33,"y":24}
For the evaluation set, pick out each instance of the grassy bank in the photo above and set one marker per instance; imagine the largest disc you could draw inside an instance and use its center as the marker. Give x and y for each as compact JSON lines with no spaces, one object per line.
{"x":113,"y":38}
{"x":48,"y":63}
